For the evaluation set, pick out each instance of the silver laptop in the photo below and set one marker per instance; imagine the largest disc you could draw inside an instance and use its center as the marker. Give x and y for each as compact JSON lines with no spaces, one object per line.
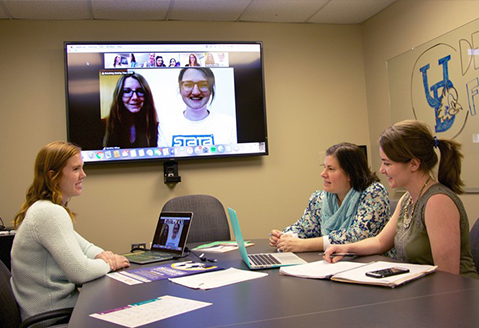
{"x":169,"y":240}
{"x":260,"y":260}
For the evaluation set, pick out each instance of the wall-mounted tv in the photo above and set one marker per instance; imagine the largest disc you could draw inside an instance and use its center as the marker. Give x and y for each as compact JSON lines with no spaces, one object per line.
{"x":131,"y":101}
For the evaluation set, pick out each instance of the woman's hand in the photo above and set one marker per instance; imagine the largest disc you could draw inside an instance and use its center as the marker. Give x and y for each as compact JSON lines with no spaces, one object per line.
{"x":115,"y":261}
{"x":288,"y":243}
{"x":334,"y":249}
{"x":274,"y":236}
{"x":120,"y":262}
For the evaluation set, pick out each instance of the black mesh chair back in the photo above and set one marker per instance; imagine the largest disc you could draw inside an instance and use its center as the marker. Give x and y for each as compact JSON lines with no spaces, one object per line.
{"x":10,"y":316}
{"x":9,"y":312}
{"x":209,"y":219}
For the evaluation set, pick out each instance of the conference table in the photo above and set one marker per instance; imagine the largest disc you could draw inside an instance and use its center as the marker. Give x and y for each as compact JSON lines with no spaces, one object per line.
{"x":437,"y":300}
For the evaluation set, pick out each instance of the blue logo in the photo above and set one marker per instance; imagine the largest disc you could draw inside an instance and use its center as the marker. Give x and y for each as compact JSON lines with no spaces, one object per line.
{"x":445,"y":102}
{"x":193,"y":140}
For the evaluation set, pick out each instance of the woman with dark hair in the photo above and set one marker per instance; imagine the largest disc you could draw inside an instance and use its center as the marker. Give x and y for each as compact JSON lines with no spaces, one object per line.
{"x":133,"y":62}
{"x":429,"y":225}
{"x":133,"y":121}
{"x":172,"y":62}
{"x":192,"y":61}
{"x":159,"y":61}
{"x":352,"y":206}
{"x":117,"y":61}
{"x":164,"y":235}
{"x":49,"y":258}
{"x":197,"y":125}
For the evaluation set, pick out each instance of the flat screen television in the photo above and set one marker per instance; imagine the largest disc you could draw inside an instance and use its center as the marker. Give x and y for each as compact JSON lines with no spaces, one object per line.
{"x":145,"y":101}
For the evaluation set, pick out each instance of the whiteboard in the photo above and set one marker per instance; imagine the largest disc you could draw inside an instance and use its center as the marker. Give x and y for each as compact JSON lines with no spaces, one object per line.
{"x":438,"y":83}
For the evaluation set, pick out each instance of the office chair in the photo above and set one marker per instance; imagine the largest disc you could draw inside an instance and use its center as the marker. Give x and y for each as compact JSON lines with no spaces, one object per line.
{"x":209,"y":219}
{"x":474,"y":238}
{"x":9,"y":311}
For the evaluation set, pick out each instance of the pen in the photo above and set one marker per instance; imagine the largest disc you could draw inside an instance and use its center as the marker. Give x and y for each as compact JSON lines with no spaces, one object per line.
{"x":342,"y":254}
{"x":182,"y":264}
{"x":284,"y":233}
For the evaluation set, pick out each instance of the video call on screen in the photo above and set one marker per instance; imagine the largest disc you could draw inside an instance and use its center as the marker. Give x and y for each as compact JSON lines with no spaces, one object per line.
{"x":93,"y":70}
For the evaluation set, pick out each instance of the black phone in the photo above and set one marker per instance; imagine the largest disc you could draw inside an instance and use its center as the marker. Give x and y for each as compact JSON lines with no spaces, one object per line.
{"x":386,"y":272}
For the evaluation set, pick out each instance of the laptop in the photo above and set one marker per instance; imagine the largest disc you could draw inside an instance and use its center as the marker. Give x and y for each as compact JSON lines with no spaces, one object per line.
{"x":169,"y":241}
{"x":261,"y":260}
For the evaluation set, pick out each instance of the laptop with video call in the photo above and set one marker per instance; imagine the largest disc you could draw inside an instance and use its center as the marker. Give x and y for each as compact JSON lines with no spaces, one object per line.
{"x":169,"y":241}
{"x":260,"y":260}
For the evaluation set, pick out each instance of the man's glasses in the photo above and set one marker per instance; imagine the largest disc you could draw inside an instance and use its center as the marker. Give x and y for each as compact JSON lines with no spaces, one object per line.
{"x":189,"y":85}
{"x":129,"y":92}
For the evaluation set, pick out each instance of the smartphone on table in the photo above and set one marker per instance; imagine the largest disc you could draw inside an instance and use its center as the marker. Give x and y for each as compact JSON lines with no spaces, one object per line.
{"x":383,"y":273}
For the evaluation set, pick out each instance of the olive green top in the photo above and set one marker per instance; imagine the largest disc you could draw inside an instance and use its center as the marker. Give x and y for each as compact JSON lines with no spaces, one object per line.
{"x":412,"y":244}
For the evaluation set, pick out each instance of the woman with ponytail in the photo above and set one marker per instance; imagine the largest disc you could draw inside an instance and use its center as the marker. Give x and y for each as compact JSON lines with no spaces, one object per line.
{"x":430,"y":224}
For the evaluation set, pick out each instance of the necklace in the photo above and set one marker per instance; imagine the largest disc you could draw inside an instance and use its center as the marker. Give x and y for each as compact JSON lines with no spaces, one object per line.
{"x":407,"y":215}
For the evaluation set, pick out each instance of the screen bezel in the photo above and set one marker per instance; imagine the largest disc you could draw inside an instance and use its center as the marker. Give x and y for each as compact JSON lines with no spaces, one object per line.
{"x":258,"y":147}
{"x":183,"y":216}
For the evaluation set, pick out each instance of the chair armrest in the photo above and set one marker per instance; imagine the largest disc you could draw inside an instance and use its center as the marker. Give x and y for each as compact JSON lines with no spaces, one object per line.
{"x":59,"y":313}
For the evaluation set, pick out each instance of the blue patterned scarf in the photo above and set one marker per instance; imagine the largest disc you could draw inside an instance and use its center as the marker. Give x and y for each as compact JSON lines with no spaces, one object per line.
{"x":334,"y":217}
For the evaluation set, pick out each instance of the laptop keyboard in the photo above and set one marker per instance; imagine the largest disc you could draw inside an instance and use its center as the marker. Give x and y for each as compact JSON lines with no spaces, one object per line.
{"x":149,"y":255}
{"x":157,"y":255}
{"x":263,"y":259}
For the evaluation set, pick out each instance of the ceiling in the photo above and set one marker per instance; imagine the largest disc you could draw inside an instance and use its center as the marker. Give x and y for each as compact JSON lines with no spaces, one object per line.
{"x":272,"y":11}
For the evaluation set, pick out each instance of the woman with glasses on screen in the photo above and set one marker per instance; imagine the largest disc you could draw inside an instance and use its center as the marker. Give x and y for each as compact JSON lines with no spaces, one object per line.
{"x":197,"y":125}
{"x":133,"y":121}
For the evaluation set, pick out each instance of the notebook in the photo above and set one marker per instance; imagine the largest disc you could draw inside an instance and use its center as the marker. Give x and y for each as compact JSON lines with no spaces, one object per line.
{"x":169,"y":240}
{"x":260,"y":260}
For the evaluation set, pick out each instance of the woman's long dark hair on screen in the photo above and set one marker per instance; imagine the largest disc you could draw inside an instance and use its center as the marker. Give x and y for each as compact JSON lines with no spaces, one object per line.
{"x":120,"y":119}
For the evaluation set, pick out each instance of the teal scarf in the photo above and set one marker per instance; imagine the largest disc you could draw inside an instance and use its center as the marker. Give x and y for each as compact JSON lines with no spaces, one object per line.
{"x":334,"y":217}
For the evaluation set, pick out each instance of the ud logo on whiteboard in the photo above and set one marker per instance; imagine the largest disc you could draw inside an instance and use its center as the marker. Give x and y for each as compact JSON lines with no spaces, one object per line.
{"x":438,"y":94}
{"x":437,"y":82}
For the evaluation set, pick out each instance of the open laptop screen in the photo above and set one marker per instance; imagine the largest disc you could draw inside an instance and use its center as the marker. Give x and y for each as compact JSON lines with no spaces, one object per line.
{"x":172,"y":231}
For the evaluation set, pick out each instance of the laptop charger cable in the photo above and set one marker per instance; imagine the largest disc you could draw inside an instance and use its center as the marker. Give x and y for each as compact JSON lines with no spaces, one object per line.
{"x":202,"y":257}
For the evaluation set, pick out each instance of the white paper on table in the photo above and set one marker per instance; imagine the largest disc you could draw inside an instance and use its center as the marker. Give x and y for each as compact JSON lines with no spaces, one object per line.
{"x":217,"y":279}
{"x":358,"y":275}
{"x":319,"y":269}
{"x":142,"y":313}
{"x":124,"y":278}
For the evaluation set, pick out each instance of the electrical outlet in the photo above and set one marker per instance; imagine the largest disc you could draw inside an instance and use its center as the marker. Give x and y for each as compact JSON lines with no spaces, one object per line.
{"x":138,"y":246}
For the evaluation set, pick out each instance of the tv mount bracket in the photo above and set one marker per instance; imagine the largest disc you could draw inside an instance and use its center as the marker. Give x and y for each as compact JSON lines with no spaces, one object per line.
{"x":171,"y":172}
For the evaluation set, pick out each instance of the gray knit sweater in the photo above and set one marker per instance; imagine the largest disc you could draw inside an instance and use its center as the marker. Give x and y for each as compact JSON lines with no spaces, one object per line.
{"x":49,"y":260}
